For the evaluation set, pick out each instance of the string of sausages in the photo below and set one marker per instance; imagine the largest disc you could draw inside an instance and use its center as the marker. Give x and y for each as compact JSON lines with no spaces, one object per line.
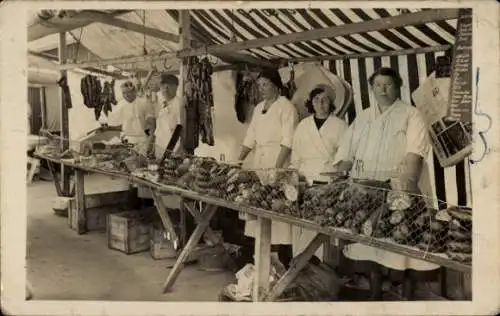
{"x":97,"y":96}
{"x":198,"y":103}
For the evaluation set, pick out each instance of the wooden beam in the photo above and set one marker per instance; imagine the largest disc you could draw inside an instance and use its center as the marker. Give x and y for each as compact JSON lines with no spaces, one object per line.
{"x":55,"y":25}
{"x":416,"y":18}
{"x":419,"y":50}
{"x":91,"y":69}
{"x":130,"y":26}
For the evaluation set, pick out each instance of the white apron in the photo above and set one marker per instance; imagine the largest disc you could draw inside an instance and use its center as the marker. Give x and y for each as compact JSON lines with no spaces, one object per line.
{"x":266,"y":133}
{"x":313,"y":152}
{"x":381,"y":149}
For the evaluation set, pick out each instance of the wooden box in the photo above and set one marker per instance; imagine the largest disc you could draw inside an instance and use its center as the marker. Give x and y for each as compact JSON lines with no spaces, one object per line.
{"x":160,"y":245}
{"x":97,"y":208}
{"x":129,"y":231}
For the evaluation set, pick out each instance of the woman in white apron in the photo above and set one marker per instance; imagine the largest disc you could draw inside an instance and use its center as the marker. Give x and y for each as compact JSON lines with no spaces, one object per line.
{"x":315,"y":143}
{"x":386,"y":141}
{"x":270,"y":137}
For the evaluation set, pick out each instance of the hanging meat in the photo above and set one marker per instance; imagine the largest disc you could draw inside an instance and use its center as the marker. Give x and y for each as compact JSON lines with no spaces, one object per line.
{"x":206,"y":103}
{"x":63,"y":83}
{"x":96,"y":96}
{"x":191,"y":131}
{"x":247,"y":95}
{"x":198,"y":103}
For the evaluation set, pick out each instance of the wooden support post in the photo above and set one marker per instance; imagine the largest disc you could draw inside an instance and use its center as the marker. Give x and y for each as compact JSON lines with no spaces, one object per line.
{"x":262,"y":258}
{"x":190,"y":246}
{"x":80,"y":202}
{"x":296,"y":266}
{"x":165,"y":218}
{"x":65,"y":172}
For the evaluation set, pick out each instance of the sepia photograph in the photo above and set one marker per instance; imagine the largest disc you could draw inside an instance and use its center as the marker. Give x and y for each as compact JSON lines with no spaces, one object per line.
{"x":239,"y":154}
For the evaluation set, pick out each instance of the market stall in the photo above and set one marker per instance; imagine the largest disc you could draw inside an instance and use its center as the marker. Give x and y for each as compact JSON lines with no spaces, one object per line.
{"x":437,"y":232}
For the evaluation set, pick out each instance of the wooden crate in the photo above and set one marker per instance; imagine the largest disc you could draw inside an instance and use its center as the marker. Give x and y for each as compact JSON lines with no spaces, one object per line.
{"x":129,"y":231}
{"x":96,"y":217}
{"x":97,"y":208}
{"x":160,"y":246}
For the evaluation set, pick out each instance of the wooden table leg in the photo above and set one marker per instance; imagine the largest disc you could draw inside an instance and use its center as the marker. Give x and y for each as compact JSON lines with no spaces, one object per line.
{"x":209,"y":233}
{"x":56,"y":178}
{"x":327,"y":250}
{"x":80,"y":202}
{"x":165,"y":218}
{"x":202,"y":225}
{"x":183,"y":223}
{"x":262,"y":258}
{"x":296,"y":266}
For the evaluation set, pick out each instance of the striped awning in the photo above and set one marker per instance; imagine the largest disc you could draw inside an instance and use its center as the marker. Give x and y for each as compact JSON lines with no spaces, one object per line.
{"x":226,"y":25}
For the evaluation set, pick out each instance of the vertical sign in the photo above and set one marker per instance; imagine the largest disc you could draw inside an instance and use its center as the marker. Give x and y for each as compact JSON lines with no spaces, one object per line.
{"x":460,"y":100}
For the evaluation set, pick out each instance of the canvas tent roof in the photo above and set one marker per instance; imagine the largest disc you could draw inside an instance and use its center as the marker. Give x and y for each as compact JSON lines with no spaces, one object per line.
{"x":225,"y":26}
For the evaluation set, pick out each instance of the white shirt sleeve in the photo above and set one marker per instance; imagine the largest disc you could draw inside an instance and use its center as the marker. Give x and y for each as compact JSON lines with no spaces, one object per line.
{"x":348,"y":144}
{"x":250,"y":137}
{"x":289,"y":120}
{"x":295,"y":160}
{"x":417,"y":138}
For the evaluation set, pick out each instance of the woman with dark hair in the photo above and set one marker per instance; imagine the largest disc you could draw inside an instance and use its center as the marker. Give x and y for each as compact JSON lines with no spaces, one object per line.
{"x":315,"y":143}
{"x":270,"y":136}
{"x":387,"y":141}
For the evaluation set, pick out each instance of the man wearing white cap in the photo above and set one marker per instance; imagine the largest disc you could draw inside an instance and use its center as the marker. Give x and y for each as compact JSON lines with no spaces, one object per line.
{"x":133,"y":115}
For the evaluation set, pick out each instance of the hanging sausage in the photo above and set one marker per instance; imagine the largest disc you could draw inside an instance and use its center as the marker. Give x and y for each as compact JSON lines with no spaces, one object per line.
{"x":247,"y":96}
{"x":198,"y":103}
{"x":98,"y":97}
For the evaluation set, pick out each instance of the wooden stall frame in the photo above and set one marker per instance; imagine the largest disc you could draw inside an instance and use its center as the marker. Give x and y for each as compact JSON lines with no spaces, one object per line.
{"x":261,"y":289}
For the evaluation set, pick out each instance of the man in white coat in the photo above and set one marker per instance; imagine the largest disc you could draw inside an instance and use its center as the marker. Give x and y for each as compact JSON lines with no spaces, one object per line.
{"x":270,"y":137}
{"x":136,"y":118}
{"x":169,"y":115}
{"x":386,"y":141}
{"x":133,"y":114}
{"x":315,"y":143}
{"x":168,"y":118}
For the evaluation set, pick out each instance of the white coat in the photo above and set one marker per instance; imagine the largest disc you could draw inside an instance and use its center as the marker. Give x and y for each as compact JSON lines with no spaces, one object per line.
{"x":132,"y":117}
{"x":167,"y":120}
{"x":377,"y":143}
{"x":313,"y":152}
{"x":265,"y":135}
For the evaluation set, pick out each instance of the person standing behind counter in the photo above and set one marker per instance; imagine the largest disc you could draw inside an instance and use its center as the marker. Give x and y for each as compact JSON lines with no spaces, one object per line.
{"x":133,"y":115}
{"x":169,"y":115}
{"x":314,"y":146}
{"x":386,"y":141}
{"x":270,"y":137}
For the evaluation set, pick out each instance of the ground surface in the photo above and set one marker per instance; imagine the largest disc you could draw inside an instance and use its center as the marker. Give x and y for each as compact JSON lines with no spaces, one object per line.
{"x":62,"y":265}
